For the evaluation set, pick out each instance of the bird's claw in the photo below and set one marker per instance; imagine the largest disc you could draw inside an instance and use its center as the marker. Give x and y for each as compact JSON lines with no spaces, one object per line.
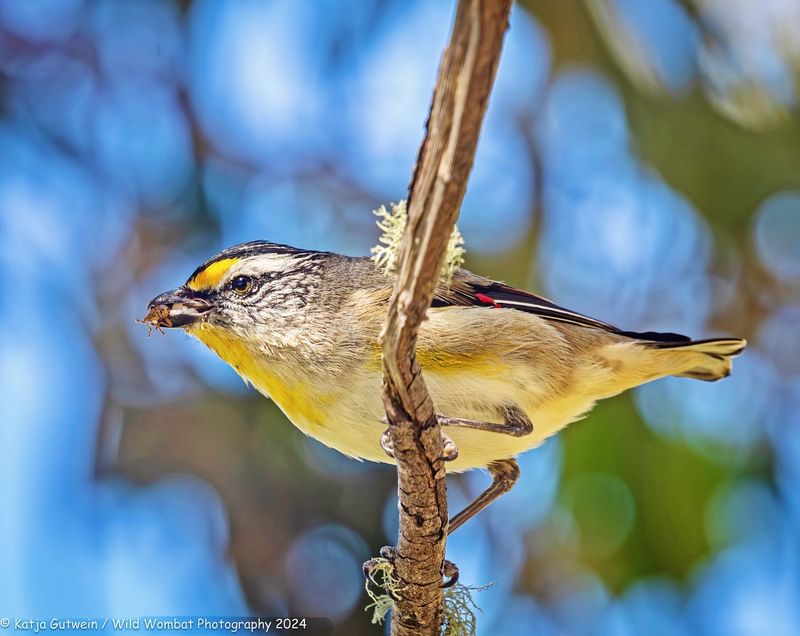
{"x":373,"y":567}
{"x":369,"y":567}
{"x":386,"y":443}
{"x":449,"y":452}
{"x":389,"y":554}
{"x":449,"y":573}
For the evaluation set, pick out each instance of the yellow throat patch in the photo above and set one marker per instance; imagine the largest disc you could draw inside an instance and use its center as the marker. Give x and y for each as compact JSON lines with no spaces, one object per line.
{"x":298,"y":399}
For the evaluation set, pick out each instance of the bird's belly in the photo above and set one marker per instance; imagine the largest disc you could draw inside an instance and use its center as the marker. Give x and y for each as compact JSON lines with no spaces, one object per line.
{"x":352,"y":420}
{"x":345,"y":412}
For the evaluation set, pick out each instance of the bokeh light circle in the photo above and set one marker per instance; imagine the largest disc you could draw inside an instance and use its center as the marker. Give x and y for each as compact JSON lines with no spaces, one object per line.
{"x":777,"y":235}
{"x":779,"y":338}
{"x":604,"y":509}
{"x":323,"y":571}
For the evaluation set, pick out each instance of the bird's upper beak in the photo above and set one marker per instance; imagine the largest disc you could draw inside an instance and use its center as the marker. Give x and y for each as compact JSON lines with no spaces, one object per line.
{"x":177,"y":308}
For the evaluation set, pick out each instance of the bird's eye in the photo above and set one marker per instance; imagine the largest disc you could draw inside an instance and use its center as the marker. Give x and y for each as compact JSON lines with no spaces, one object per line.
{"x":242,"y":284}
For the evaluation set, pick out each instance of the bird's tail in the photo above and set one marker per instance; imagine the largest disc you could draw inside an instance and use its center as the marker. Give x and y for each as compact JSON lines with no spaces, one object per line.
{"x":707,"y":360}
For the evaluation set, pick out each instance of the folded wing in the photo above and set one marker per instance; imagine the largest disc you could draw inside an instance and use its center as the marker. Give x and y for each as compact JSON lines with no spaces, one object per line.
{"x":468,"y":289}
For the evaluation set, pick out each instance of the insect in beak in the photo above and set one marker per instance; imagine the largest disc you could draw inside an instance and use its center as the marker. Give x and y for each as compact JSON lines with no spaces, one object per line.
{"x":176,"y":308}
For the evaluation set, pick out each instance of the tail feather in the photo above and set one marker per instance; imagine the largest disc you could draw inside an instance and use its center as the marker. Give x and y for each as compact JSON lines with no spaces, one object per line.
{"x":707,"y":360}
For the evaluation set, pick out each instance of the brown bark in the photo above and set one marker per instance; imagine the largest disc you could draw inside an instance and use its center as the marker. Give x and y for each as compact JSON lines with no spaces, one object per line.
{"x":466,"y":74}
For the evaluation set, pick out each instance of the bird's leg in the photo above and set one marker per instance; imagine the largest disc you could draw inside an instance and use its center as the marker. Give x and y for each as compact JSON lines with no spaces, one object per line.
{"x":515,"y":423}
{"x":505,"y":473}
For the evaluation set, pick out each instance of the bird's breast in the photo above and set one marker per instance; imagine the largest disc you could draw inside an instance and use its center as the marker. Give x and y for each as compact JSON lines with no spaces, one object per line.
{"x":303,"y":402}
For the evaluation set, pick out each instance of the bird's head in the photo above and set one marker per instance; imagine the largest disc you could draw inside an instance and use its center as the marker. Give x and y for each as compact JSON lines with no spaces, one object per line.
{"x":256,"y":292}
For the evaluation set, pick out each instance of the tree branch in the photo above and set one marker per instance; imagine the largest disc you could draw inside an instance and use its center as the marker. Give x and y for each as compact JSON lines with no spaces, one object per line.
{"x":466,"y":74}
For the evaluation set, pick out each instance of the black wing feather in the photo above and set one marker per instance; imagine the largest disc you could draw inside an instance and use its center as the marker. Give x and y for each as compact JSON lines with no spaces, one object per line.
{"x":468,"y":289}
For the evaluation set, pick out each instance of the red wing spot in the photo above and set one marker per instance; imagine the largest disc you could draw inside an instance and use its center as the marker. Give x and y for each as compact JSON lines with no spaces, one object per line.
{"x":486,"y":300}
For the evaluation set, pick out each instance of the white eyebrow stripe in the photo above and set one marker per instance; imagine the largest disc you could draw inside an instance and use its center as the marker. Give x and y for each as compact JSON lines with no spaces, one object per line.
{"x":262,"y":264}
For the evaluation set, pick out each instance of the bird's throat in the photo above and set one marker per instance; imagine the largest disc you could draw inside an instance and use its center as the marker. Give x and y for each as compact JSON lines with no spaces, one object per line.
{"x":296,"y":396}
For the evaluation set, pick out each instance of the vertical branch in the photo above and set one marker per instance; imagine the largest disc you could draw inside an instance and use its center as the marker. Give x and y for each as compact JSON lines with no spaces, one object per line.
{"x":460,"y":97}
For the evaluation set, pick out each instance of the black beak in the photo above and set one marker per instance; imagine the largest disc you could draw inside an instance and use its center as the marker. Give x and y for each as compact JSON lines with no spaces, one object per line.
{"x":177,"y":308}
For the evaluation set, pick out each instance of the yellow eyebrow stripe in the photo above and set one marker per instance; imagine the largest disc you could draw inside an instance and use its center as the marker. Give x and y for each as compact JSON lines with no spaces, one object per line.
{"x":211,"y":275}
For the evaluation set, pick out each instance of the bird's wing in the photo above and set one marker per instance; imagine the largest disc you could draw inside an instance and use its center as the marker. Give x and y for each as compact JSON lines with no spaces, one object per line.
{"x":467,"y":289}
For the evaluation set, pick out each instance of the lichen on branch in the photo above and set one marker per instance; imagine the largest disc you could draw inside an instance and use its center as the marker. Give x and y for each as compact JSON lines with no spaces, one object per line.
{"x":392,"y":224}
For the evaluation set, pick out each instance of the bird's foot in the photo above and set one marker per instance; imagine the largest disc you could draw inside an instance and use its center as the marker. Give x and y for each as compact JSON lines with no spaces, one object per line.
{"x":379,"y":573}
{"x":386,"y":443}
{"x":449,"y":574}
{"x":449,"y":452}
{"x":383,"y":567}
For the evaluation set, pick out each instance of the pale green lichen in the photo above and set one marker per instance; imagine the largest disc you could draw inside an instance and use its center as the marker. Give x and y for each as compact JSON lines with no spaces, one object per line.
{"x":392,"y":223}
{"x":454,"y":256}
{"x":459,"y":617}
{"x":380,"y":576}
{"x":459,"y":610}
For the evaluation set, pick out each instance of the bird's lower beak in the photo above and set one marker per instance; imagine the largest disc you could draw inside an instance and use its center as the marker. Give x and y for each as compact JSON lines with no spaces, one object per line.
{"x":177,"y":308}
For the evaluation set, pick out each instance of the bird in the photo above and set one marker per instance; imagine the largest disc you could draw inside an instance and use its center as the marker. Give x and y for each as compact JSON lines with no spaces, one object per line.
{"x":506,"y":369}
